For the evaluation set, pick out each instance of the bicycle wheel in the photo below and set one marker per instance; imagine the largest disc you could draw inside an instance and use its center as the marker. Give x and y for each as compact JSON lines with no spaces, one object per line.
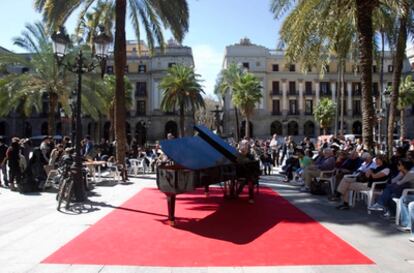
{"x":69,"y":193}
{"x":61,"y":192}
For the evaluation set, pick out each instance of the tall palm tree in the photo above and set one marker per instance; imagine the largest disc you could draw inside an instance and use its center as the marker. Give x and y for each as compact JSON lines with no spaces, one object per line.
{"x":405,"y":99}
{"x":225,"y":85}
{"x":246,"y":94}
{"x":151,"y":15}
{"x":182,"y":91}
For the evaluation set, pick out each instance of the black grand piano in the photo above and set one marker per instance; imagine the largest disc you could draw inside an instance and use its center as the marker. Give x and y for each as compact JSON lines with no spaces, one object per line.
{"x":203,"y":160}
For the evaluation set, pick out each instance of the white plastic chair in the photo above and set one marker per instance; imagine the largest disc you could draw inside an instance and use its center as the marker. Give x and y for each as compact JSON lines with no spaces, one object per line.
{"x":398,"y":203}
{"x":328,"y":176}
{"x":372,"y":193}
{"x":137,"y":165}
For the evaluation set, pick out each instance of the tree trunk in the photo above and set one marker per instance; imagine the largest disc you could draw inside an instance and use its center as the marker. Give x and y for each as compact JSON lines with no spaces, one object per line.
{"x":402,"y":123}
{"x":182,"y":117}
{"x":381,"y":103}
{"x":342,"y":91}
{"x":247,"y":128}
{"x":120,"y":62}
{"x":51,"y":117}
{"x":396,"y":76}
{"x":236,"y":114}
{"x":365,"y":36}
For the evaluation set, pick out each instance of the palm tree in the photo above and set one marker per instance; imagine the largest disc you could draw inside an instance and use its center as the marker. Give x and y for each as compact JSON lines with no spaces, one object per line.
{"x":182,"y":91}
{"x":151,"y":15}
{"x":25,"y":91}
{"x":225,"y":85}
{"x":109,"y":88}
{"x":325,"y":113}
{"x":246,"y":94}
{"x":405,"y":99}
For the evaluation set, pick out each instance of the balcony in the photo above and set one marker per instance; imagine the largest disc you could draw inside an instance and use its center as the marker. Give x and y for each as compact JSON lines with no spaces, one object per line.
{"x":293,"y":113}
{"x":309,"y":92}
{"x":276,"y":113}
{"x":356,"y":113}
{"x":325,"y":93}
{"x":275,"y":93}
{"x":293,"y":93}
{"x":308,"y":113}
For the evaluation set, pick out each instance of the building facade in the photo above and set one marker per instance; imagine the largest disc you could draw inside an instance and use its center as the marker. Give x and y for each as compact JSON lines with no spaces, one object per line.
{"x":290,"y":96}
{"x":145,"y":120}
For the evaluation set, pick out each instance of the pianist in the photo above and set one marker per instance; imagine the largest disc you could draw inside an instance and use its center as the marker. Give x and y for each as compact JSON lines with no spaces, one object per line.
{"x":244,"y":150}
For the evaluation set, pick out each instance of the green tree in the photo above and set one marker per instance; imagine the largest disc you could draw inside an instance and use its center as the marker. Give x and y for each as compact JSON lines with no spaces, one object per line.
{"x":225,"y":85}
{"x":405,"y":99}
{"x":24,"y":92}
{"x":246,"y":94}
{"x":182,"y":91}
{"x":325,"y":113}
{"x":152,"y":16}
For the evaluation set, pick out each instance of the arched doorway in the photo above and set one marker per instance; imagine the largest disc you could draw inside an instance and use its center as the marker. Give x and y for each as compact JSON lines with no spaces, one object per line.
{"x":59,"y":131}
{"x":276,"y":128}
{"x":243,"y":129}
{"x":357,"y":128}
{"x":141,"y":133}
{"x":27,"y":131}
{"x":3,"y":128}
{"x":171,"y":127}
{"x":107,"y":130}
{"x":309,"y":129}
{"x":44,"y":129}
{"x":293,"y":128}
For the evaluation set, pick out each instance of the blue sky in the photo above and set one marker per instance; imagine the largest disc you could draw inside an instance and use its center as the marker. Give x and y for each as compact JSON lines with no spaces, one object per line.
{"x":213,"y":25}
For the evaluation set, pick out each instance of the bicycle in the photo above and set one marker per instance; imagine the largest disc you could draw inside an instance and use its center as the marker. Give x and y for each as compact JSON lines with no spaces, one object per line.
{"x":65,"y":191}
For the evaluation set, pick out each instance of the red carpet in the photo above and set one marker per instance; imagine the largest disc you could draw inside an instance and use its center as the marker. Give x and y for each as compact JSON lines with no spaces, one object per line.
{"x":209,"y":232}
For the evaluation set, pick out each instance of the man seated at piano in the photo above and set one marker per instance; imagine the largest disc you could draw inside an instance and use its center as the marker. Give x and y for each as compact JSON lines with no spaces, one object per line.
{"x":245,"y":151}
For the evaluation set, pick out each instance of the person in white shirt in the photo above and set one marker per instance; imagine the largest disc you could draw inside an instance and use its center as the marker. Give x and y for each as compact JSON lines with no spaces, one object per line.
{"x":274,"y":146}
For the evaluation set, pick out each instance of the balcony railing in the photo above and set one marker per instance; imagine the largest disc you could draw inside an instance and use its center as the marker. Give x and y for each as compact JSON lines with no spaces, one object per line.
{"x":293,"y":93}
{"x":309,"y":92}
{"x":293,"y":113}
{"x":276,"y":113}
{"x":325,"y":94}
{"x":275,"y":93}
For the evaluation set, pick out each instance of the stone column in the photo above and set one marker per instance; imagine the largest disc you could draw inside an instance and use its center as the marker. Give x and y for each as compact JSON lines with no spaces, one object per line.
{"x":301,"y":102}
{"x":333,"y":89}
{"x":349,"y":99}
{"x":285,"y":107}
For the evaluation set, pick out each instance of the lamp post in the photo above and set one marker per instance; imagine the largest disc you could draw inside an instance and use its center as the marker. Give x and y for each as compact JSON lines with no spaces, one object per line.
{"x":387,"y":99}
{"x":81,"y":65}
{"x":217,"y":119}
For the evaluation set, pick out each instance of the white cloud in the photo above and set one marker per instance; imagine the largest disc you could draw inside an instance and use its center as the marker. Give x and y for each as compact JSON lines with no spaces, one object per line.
{"x":208,"y":64}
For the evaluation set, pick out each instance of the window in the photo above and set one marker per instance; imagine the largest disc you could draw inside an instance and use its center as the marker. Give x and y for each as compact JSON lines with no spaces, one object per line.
{"x":375,"y":89}
{"x":141,"y":108}
{"x":308,"y":107}
{"x":257,"y":64}
{"x":292,"y":68}
{"x":293,"y":107}
{"x":276,"y":107}
{"x":327,"y":68}
{"x":390,"y":68}
{"x":110,"y":69}
{"x":374,"y":69}
{"x":358,"y":69}
{"x":126,"y":69}
{"x":246,"y":65}
{"x":275,"y":67}
{"x":356,"y":88}
{"x":308,"y":88}
{"x":292,"y":88}
{"x":141,"y":89}
{"x":357,"y":107}
{"x":324,"y":89}
{"x":171,"y":64}
{"x":275,"y":87}
{"x":142,"y":68}
{"x":309,"y":68}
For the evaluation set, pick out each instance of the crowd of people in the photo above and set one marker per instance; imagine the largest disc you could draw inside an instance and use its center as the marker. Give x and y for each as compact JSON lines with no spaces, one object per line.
{"x":25,"y":166}
{"x":353,"y":169}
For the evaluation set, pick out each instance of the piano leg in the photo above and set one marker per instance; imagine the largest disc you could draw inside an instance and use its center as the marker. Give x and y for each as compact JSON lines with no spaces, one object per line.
{"x":171,"y":208}
{"x":206,"y":190}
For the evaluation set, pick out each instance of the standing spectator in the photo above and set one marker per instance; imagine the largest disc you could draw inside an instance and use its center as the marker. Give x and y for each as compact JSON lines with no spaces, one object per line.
{"x":274,"y":146}
{"x":3,"y":150}
{"x":266,"y":160}
{"x":45,"y":148}
{"x":27,"y":149}
{"x":13,"y":161}
{"x":307,"y":145}
{"x":88,"y":148}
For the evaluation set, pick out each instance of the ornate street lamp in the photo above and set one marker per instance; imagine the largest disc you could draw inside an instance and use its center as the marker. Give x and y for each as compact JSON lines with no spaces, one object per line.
{"x":81,"y":65}
{"x":387,"y":99}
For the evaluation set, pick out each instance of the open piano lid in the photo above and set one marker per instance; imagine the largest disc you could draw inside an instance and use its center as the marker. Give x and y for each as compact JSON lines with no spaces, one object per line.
{"x":203,"y":151}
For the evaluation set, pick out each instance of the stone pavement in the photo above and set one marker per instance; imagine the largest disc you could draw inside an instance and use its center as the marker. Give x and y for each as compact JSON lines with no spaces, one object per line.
{"x":31,"y":229}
